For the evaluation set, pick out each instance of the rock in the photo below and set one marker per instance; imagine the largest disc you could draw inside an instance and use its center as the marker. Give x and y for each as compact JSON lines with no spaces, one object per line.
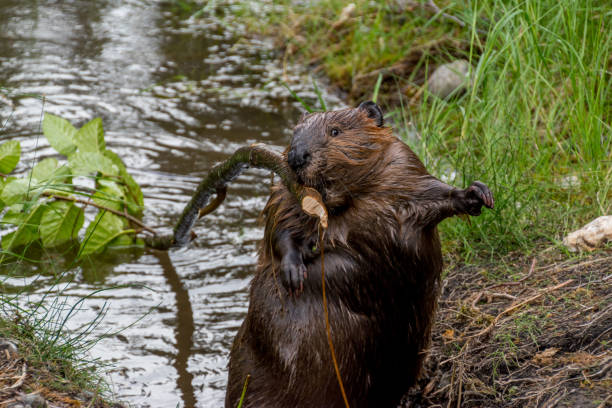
{"x":9,"y":346}
{"x":449,"y":78}
{"x":594,"y":234}
{"x":33,"y":400}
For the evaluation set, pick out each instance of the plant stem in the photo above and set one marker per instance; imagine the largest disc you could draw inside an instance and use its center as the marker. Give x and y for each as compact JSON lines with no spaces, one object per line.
{"x":111,"y":210}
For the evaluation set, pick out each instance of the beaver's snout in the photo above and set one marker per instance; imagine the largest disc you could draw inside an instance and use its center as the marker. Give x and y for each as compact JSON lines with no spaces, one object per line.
{"x":298,"y":157}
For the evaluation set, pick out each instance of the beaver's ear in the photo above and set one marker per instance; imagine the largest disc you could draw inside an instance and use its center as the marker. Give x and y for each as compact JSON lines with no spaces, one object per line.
{"x":373,"y":111}
{"x":303,"y":116}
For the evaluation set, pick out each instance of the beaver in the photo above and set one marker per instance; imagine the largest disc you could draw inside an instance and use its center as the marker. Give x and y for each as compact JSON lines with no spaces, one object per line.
{"x":382,"y":261}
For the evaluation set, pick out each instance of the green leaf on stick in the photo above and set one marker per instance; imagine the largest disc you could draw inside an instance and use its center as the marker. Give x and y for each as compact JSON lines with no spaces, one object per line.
{"x":27,"y":229}
{"x":109,"y":194}
{"x":102,"y":230}
{"x":50,"y":170}
{"x":85,"y":163}
{"x":60,"y":223}
{"x":16,"y":191}
{"x":9,"y":156}
{"x":60,"y":133}
{"x":90,"y":138}
{"x":134,"y":195}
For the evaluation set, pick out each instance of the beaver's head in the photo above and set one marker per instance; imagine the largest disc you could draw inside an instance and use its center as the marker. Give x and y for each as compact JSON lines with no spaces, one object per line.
{"x":336,"y":152}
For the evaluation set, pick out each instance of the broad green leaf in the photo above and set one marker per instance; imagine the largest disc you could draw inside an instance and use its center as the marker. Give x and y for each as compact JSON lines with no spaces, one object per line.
{"x":102,"y":230}
{"x":60,"y":133}
{"x":85,"y":163}
{"x":50,"y":170}
{"x":18,"y":238}
{"x":90,"y":138}
{"x":3,"y":182}
{"x":15,"y":215}
{"x":27,"y":228}
{"x":60,"y":223}
{"x":16,"y":190}
{"x":133,"y":194}
{"x":9,"y":156}
{"x":121,"y":241}
{"x":109,"y":194}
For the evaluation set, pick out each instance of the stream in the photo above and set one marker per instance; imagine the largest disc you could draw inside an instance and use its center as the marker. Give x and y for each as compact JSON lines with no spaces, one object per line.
{"x":176,"y":95}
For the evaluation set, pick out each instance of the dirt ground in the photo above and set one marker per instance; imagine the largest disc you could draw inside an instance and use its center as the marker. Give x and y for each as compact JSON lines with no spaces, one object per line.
{"x":27,"y":384}
{"x":541,"y":339}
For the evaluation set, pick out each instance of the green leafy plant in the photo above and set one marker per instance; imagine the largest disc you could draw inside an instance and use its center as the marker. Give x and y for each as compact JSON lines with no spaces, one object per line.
{"x":47,"y":204}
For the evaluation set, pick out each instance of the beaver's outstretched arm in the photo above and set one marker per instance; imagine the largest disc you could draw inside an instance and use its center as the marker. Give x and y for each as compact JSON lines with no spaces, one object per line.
{"x":292,"y":268}
{"x":445,"y":201}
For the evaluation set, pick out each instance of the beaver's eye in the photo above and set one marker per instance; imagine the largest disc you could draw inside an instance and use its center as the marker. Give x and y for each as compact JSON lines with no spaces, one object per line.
{"x":335,"y":132}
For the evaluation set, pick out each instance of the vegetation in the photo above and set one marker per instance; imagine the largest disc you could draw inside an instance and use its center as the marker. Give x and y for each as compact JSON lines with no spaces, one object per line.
{"x":46,"y":206}
{"x":534,"y":124}
{"x":49,"y":360}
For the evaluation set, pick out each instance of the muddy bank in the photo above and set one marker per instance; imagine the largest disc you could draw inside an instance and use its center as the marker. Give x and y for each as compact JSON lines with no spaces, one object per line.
{"x":537,"y":337}
{"x":34,"y":374}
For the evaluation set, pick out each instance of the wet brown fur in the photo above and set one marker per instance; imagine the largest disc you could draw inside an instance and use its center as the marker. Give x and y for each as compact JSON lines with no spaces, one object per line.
{"x":382,"y":264}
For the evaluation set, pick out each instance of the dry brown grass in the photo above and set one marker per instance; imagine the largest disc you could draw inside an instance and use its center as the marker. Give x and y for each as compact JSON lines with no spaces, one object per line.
{"x":540,"y":340}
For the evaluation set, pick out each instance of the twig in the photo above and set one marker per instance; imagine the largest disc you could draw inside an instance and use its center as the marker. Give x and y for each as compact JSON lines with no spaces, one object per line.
{"x":21,"y":378}
{"x":605,"y":402}
{"x":490,"y":296}
{"x":521,"y":304}
{"x":569,"y":266}
{"x":518,"y":282}
{"x":215,"y":203}
{"x":111,"y":210}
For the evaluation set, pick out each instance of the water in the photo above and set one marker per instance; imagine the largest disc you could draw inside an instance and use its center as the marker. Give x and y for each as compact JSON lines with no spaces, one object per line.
{"x":175,"y":97}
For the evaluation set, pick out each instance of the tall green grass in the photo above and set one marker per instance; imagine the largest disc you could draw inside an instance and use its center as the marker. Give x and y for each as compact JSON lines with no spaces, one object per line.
{"x":534,"y":124}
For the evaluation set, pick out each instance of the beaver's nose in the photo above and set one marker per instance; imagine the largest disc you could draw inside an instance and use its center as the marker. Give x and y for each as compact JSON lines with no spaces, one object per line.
{"x":298,"y":157}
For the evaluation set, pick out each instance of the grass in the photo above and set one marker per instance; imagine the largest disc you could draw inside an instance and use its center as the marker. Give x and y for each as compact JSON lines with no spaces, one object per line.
{"x":51,"y":360}
{"x":378,"y":34}
{"x":534,"y":124}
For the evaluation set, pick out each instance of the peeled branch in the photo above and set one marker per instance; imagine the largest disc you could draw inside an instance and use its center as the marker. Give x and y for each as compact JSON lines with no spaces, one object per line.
{"x":258,"y":156}
{"x":312,"y":204}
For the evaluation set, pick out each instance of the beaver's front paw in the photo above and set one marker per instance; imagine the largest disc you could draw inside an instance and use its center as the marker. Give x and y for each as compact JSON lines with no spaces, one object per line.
{"x":293,"y":272}
{"x":477,"y":195}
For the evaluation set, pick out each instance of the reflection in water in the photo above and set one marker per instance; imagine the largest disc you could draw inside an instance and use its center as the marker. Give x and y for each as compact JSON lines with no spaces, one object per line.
{"x":184,"y":328}
{"x":174,"y":99}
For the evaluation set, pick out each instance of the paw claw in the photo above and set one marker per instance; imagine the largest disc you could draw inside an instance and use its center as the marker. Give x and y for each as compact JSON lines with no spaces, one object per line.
{"x":477,"y":195}
{"x":293,"y":272}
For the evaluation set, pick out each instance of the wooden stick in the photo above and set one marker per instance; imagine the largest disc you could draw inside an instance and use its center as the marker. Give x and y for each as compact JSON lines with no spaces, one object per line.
{"x":93,"y":204}
{"x":258,"y":156}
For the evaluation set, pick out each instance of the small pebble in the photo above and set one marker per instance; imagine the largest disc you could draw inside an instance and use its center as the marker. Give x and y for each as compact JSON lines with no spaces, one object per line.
{"x":33,"y":400}
{"x":449,"y":78}
{"x":7,"y":345}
